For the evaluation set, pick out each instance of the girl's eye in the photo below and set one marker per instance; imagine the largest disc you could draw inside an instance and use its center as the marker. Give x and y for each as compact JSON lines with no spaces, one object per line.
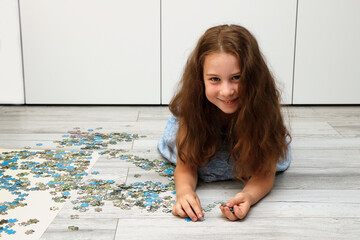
{"x":237,"y":77}
{"x":215,"y":79}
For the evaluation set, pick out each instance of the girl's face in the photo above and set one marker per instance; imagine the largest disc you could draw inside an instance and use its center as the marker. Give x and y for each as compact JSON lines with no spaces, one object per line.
{"x":221,"y":75}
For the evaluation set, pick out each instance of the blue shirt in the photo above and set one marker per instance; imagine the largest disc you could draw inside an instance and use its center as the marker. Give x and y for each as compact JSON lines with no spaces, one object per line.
{"x":219,"y":167}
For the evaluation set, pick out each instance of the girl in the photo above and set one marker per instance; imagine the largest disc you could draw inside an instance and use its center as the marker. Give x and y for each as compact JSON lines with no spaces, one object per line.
{"x":226,"y":123}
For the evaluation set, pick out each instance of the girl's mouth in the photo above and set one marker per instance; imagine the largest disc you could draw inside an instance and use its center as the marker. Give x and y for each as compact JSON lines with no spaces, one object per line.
{"x":228,"y":102}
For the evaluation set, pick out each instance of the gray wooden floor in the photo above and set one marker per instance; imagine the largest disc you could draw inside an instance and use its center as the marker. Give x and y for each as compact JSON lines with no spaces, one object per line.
{"x":316,"y":198}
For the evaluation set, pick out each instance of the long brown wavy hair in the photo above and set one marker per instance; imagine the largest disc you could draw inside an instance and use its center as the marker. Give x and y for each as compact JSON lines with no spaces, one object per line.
{"x":256,"y":133}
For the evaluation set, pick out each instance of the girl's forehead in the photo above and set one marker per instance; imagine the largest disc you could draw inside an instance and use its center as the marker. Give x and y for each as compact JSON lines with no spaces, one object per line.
{"x":219,"y":55}
{"x":221,"y":60}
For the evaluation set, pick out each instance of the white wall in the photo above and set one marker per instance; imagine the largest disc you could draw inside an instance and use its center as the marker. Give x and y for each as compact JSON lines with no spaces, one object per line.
{"x":108,"y":51}
{"x":11,"y":79}
{"x":327,"y":65}
{"x":91,"y":51}
{"x":271,"y":21}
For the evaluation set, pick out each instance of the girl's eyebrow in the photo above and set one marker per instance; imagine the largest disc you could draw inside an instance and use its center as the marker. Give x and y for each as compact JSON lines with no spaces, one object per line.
{"x":213,"y":74}
{"x":238,"y":73}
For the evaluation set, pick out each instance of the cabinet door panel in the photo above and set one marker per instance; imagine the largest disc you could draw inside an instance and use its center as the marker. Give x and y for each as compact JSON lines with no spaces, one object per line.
{"x":91,"y":51}
{"x":327,"y":52}
{"x":11,"y":77}
{"x":272,"y":23}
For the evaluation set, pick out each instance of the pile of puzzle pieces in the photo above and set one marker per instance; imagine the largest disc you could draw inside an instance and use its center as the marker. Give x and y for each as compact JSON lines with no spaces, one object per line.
{"x":63,"y":172}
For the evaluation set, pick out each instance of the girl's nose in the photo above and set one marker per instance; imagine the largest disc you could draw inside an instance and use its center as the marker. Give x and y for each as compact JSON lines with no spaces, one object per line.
{"x":227,"y":89}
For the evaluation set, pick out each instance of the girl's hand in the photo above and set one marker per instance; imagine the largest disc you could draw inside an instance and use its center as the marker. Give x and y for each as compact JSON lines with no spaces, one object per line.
{"x":188,"y":205}
{"x":240,"y":203}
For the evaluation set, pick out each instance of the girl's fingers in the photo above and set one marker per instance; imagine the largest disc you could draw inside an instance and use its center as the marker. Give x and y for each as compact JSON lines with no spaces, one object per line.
{"x":196,"y":206}
{"x":222,"y":211}
{"x":229,"y":214}
{"x":241,"y":210}
{"x":200,"y":214}
{"x":178,"y":211}
{"x":189,"y":211}
{"x":188,"y":206}
{"x":235,"y":201}
{"x":238,"y":212}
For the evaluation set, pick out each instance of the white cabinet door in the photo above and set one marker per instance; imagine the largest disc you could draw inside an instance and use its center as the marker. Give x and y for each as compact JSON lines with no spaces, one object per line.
{"x":327,"y":65}
{"x":11,"y":75}
{"x":91,"y":51}
{"x":271,"y":21}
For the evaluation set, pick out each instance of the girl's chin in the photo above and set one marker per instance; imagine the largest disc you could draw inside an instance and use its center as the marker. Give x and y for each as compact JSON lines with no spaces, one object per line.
{"x":227,"y":111}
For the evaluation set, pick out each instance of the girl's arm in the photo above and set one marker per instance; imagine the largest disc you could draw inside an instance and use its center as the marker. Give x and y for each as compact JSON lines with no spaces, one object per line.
{"x":187,"y":202}
{"x":255,"y":189}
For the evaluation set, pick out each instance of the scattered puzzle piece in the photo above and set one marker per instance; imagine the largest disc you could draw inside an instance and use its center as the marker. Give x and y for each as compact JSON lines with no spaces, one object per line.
{"x":224,"y":205}
{"x":29,"y":222}
{"x":73,"y":228}
{"x":28,"y":232}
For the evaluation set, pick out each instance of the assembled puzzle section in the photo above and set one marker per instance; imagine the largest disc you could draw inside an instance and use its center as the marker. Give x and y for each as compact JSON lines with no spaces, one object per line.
{"x":35,"y":185}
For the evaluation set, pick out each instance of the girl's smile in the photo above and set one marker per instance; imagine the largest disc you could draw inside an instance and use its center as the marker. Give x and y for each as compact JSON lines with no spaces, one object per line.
{"x":229,"y":102}
{"x":221,"y":79}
